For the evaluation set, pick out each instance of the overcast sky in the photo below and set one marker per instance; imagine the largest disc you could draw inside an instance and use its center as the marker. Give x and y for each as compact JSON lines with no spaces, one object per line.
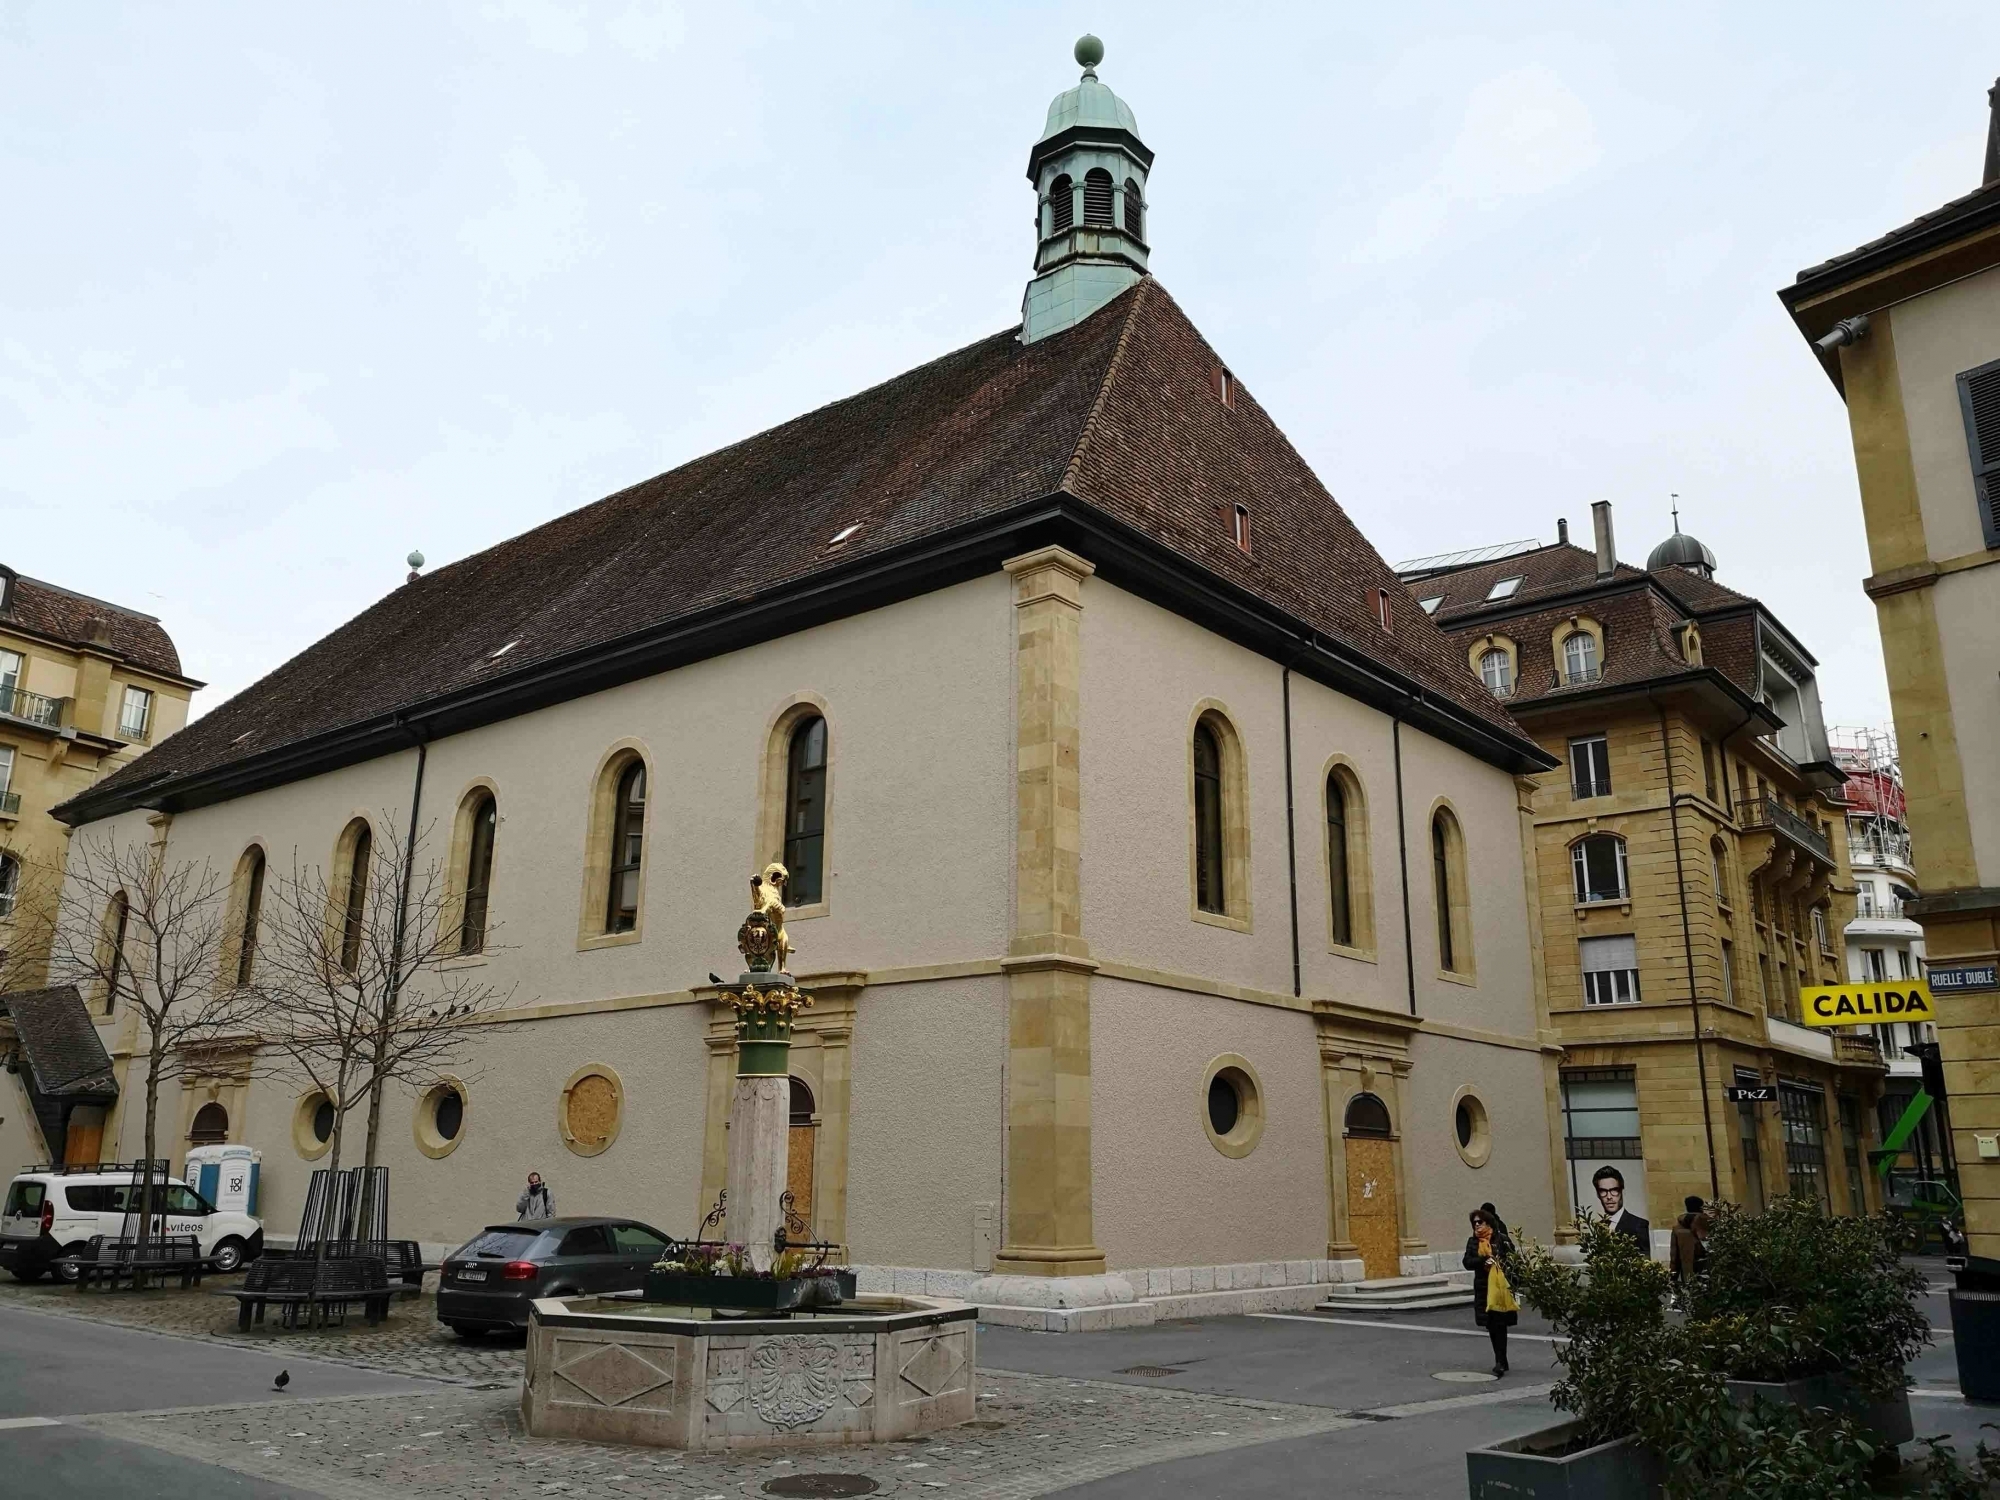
{"x":286,"y":291}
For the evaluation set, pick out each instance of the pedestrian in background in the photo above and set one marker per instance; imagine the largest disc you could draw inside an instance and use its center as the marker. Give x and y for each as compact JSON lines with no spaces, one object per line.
{"x":1688,"y":1252}
{"x":1493,"y":1304}
{"x":536,"y":1202}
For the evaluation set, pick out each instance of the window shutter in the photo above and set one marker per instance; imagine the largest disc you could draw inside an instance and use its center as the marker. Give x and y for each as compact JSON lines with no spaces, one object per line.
{"x":1097,"y":196}
{"x":1979,"y":401}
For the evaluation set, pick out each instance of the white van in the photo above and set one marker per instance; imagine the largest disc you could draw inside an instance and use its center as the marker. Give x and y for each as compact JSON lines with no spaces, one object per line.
{"x":54,"y":1211}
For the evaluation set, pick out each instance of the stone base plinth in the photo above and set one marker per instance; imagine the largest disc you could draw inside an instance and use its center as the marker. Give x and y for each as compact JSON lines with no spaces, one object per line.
{"x":891,"y":1368}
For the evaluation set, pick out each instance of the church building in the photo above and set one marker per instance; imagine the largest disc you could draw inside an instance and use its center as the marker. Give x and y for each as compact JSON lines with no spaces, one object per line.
{"x":1162,"y":876}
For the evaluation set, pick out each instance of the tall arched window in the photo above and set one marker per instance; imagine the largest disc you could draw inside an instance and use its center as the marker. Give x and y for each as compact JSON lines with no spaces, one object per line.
{"x":253,"y":911}
{"x":1062,"y":204}
{"x":1135,"y":209}
{"x":484,"y":819}
{"x":1718,"y":867}
{"x":628,"y":849}
{"x":1580,"y":657}
{"x":1441,"y":887}
{"x":10,"y":883}
{"x":1496,"y":670}
{"x":805,"y":813}
{"x":360,"y":852}
{"x":1367,"y":1116}
{"x":1097,"y":197}
{"x":1336,"y":862}
{"x":116,"y":920}
{"x":1209,"y":893}
{"x":1598,"y":864}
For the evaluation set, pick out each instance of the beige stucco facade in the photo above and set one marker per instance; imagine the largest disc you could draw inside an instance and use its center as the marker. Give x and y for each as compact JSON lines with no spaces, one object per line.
{"x":1019,"y":1015}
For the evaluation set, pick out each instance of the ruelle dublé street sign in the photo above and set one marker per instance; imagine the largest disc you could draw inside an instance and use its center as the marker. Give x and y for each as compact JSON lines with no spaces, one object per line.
{"x":1866,"y":1004}
{"x":1950,"y":979}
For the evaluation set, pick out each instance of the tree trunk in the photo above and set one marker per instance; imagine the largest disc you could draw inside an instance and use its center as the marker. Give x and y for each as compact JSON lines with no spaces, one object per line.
{"x":381,"y":1047}
{"x":154,"y":1059}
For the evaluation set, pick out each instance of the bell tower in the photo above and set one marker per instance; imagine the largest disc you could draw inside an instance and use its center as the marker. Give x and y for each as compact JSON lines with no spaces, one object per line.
{"x":1089,"y":171}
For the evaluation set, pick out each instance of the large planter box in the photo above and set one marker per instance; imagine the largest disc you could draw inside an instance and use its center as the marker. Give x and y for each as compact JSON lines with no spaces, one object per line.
{"x":749,"y":1294}
{"x":1887,"y":1421}
{"x":1535,"y":1467}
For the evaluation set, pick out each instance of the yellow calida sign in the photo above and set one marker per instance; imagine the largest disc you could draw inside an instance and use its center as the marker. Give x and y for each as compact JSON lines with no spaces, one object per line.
{"x":1866,"y":1004}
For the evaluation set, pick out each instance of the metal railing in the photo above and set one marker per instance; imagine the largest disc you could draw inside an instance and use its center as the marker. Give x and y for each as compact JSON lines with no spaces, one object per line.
{"x":1505,"y":691}
{"x":10,"y":803}
{"x":1769,"y":812}
{"x":1864,"y":1050}
{"x":1891,"y":908}
{"x":1592,"y":673}
{"x":1881,"y":848}
{"x":33,"y":708}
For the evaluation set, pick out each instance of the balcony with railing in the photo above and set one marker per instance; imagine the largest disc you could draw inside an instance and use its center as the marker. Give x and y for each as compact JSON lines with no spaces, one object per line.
{"x":1769,"y":812}
{"x":1880,"y":847}
{"x":1579,"y":676}
{"x":38,"y":709}
{"x":10,"y":804}
{"x":1857,"y":1051}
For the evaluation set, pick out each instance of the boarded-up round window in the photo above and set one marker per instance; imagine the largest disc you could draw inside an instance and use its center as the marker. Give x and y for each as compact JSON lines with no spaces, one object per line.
{"x":593,"y":1104}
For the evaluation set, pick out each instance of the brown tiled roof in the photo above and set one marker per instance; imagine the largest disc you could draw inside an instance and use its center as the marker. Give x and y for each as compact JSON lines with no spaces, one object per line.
{"x":1559,"y":568}
{"x":60,"y":1042}
{"x":1117,"y":412}
{"x":77,"y":620}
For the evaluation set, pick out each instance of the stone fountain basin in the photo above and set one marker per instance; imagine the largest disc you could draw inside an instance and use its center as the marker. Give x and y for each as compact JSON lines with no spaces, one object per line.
{"x":875,"y":1369}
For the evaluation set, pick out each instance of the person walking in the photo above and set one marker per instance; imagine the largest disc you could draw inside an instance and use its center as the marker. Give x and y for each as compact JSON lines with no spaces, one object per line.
{"x":535,"y":1203}
{"x":1493,"y":1304}
{"x":1688,"y":1252}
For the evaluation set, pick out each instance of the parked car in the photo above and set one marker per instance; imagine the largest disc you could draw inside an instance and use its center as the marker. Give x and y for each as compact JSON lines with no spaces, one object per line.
{"x":1925,"y":1210}
{"x":52,"y":1212}
{"x":488,"y":1282}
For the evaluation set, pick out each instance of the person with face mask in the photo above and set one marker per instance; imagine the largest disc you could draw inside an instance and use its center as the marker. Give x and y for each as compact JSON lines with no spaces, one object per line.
{"x":536,"y":1202}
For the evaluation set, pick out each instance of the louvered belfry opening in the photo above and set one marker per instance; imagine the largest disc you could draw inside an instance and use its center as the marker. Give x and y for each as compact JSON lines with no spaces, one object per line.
{"x":1097,"y":197}
{"x":1135,"y":224}
{"x":1062,"y":204}
{"x":1979,"y":400}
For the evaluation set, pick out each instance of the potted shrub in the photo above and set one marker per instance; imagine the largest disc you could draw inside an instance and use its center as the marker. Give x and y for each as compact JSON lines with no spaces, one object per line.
{"x":1800,"y":1309}
{"x":707,"y":1275}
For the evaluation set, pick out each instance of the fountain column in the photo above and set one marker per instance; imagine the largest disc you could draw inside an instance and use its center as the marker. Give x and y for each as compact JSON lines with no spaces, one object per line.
{"x":760,"y":1115}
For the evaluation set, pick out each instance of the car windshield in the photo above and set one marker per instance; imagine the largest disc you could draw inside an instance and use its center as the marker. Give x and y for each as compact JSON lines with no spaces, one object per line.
{"x":501,"y":1244}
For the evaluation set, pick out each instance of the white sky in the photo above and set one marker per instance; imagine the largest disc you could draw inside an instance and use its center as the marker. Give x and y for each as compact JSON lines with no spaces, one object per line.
{"x":286,"y":291}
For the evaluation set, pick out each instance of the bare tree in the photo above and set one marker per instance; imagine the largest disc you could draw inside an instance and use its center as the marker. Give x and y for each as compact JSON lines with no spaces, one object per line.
{"x":129,"y":927}
{"x":355,"y":988}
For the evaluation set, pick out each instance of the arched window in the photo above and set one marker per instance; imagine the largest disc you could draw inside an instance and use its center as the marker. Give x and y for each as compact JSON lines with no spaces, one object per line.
{"x":1451,"y":894}
{"x":1097,"y":197}
{"x":1718,"y":867}
{"x":1598,"y":863}
{"x":484,"y":820}
{"x":253,"y":910}
{"x":116,"y":920}
{"x":210,"y":1127}
{"x":1496,"y":670}
{"x":805,"y":813}
{"x":1367,"y":1116}
{"x":628,"y":849}
{"x":360,"y":848}
{"x":10,"y":883}
{"x":1209,"y":893}
{"x":1580,"y":657}
{"x":1336,"y":862}
{"x":1135,"y":210}
{"x":1062,"y":204}
{"x":1441,"y":887}
{"x":802,"y":1102}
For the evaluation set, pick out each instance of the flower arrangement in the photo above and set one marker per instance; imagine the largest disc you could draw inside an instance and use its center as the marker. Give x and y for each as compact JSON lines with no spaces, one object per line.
{"x":699,"y":1258}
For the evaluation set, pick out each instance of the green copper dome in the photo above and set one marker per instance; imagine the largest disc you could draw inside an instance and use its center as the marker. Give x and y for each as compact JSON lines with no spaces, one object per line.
{"x":1090,"y":102}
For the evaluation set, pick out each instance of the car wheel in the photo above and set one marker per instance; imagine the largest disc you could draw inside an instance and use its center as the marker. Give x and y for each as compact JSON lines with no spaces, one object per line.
{"x":68,"y":1272}
{"x":228,"y":1256}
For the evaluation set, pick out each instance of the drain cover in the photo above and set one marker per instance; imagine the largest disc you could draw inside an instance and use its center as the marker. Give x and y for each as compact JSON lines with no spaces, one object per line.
{"x":822,"y":1484}
{"x":1465,"y":1377}
{"x":1147,"y":1370}
{"x":984,"y":1426}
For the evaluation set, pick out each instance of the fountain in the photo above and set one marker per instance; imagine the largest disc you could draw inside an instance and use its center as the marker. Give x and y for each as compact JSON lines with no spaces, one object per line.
{"x":754,"y":1341}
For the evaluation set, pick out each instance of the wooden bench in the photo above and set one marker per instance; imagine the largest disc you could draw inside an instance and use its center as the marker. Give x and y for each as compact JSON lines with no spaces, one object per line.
{"x":323,"y":1289}
{"x":114,"y":1258}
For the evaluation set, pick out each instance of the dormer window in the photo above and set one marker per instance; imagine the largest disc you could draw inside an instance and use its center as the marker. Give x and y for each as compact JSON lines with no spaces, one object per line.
{"x":1062,"y":204}
{"x":1225,"y":386}
{"x":1504,"y":589}
{"x":1382,"y":607}
{"x":1240,"y":521}
{"x":1430,"y":606}
{"x":1098,"y":195}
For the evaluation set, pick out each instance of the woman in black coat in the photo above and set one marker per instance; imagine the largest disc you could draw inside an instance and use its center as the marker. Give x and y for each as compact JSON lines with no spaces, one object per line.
{"x":1488,"y":1243}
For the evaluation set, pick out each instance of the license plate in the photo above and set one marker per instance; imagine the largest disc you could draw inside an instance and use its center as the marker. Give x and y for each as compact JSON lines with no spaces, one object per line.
{"x":472,"y":1273}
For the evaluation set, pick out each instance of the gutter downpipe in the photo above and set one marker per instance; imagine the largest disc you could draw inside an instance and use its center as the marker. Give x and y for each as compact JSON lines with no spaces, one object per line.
{"x":1403,"y":856}
{"x":1291,"y":834}
{"x":1687,"y":948}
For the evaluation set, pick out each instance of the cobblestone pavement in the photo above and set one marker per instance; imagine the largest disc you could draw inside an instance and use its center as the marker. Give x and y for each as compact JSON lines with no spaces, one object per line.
{"x":1034,"y":1434}
{"x":410,"y":1341}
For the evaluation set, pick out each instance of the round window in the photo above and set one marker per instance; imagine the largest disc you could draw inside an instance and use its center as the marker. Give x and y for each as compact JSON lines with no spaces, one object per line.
{"x":1471,"y":1132}
{"x":1464,"y":1123}
{"x":322,"y":1123}
{"x":448,"y":1115}
{"x":313,"y":1119}
{"x":1232,"y":1106}
{"x":590,"y":1106}
{"x":439,"y":1123}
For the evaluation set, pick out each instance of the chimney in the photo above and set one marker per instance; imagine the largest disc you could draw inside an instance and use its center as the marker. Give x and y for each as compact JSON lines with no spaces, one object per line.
{"x":1607,"y":554}
{"x":1992,"y":135}
{"x":1562,"y":531}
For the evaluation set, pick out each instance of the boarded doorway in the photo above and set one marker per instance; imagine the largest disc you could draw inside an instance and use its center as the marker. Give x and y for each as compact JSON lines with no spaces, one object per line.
{"x":83,"y":1140}
{"x":802,"y":1144}
{"x":1373,"y":1221}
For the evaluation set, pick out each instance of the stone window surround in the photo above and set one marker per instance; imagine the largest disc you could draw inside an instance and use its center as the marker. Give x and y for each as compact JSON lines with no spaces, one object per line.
{"x":422,"y":1128}
{"x":1458,"y":874}
{"x":590,"y":1070}
{"x":340,"y":871}
{"x":1624,"y":898}
{"x":774,"y":790}
{"x":1241,"y":1074}
{"x":304,"y":1141}
{"x":1495,"y":642}
{"x":1360,"y":870}
{"x":237,"y":908}
{"x":611,"y":766}
{"x":458,"y":867}
{"x":1480,"y":1150}
{"x":1235,"y":913}
{"x":1576,"y":625}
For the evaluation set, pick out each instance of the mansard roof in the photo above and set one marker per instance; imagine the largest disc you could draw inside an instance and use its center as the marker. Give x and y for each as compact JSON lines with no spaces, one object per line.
{"x":1108,"y":437}
{"x":79,"y":621}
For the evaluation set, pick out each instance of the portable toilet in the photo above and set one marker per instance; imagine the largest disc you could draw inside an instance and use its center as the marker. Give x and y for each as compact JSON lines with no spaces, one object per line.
{"x":226,"y":1176}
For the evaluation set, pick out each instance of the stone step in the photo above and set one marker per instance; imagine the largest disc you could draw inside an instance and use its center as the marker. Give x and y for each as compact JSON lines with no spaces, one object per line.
{"x":1399,"y":1294}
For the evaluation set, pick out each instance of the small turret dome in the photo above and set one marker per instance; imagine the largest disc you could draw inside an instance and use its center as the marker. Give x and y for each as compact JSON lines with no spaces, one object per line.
{"x":1090,"y":102}
{"x":1682,"y":551}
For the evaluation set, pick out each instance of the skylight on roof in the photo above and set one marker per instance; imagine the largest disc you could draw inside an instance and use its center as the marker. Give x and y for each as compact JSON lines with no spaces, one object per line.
{"x":844,"y":533}
{"x":1504,"y":589}
{"x":1430,"y":606}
